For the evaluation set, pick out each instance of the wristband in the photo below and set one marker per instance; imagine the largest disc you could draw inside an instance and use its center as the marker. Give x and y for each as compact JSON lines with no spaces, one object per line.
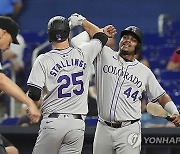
{"x":171,"y":108}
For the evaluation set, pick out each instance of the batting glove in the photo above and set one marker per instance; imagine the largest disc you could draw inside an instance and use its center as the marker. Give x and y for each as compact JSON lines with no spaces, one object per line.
{"x":75,"y":20}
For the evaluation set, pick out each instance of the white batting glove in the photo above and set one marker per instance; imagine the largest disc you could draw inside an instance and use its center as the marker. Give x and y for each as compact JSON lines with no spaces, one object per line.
{"x":75,"y":20}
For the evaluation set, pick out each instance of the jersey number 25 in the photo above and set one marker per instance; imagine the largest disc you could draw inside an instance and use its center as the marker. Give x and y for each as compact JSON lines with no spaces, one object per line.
{"x":73,"y":79}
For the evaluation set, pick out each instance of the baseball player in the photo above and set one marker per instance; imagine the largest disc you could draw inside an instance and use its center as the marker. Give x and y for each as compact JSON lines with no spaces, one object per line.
{"x":8,"y":32}
{"x":61,"y":76}
{"x":121,"y":79}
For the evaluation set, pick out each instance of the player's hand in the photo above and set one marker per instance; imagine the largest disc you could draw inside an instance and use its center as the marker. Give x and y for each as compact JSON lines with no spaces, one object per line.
{"x":75,"y":20}
{"x":110,"y":31}
{"x":176,"y":119}
{"x":33,"y":113}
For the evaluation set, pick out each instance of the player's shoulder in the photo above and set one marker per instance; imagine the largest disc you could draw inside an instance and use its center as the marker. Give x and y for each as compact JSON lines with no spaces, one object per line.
{"x":106,"y":48}
{"x":82,"y":49}
{"x":40,"y":57}
{"x":108,"y":51}
{"x":142,"y":66}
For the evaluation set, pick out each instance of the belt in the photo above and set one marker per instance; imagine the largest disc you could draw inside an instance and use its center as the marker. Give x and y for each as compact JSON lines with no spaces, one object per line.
{"x":56,"y":115}
{"x":119,"y":124}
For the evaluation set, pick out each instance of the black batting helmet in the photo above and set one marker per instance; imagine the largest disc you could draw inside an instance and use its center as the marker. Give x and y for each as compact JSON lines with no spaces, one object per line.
{"x":58,"y":29}
{"x":136,"y":32}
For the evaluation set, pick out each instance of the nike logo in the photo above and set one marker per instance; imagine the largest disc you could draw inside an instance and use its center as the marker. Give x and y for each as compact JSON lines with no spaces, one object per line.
{"x":48,"y":122}
{"x":115,"y":58}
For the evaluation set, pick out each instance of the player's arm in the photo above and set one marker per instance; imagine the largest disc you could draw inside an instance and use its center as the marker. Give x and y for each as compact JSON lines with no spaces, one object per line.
{"x":35,"y":94}
{"x":166,"y":102}
{"x":93,"y":30}
{"x":156,"y":93}
{"x":36,"y":82}
{"x":9,"y":87}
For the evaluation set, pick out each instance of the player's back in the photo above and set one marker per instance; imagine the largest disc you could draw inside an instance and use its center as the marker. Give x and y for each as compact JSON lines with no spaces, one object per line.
{"x":64,"y":80}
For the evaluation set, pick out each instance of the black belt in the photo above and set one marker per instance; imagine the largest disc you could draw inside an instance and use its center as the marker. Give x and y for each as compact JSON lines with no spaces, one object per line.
{"x":119,"y":124}
{"x":56,"y":115}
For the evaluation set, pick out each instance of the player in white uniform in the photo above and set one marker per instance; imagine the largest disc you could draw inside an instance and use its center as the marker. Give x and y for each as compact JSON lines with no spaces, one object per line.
{"x":121,"y":79}
{"x":62,"y":77}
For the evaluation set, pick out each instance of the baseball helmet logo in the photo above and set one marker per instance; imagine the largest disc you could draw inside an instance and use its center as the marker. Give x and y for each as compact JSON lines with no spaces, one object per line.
{"x":134,"y":29}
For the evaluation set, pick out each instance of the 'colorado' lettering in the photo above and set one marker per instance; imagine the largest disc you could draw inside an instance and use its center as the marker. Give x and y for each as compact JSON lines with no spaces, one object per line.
{"x":119,"y":72}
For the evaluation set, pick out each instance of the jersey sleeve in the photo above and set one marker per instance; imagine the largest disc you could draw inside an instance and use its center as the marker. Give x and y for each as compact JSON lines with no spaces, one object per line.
{"x":37,"y":75}
{"x":154,"y":89}
{"x":90,"y":47}
{"x":80,"y":39}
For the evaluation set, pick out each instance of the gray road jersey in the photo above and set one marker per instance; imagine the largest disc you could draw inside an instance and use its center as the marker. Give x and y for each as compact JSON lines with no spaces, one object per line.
{"x":63,"y":77}
{"x":120,"y":85}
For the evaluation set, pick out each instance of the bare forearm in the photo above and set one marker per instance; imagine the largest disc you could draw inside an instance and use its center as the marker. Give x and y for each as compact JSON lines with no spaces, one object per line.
{"x":168,"y":104}
{"x":90,"y":28}
{"x":12,"y":89}
{"x":163,"y":100}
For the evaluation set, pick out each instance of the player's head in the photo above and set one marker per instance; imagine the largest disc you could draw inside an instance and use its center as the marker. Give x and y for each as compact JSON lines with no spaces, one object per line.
{"x":58,"y":29}
{"x":133,"y":34}
{"x":8,"y":32}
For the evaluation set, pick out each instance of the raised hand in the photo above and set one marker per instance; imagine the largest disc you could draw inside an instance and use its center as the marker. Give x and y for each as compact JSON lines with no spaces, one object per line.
{"x":75,"y":20}
{"x":110,"y":31}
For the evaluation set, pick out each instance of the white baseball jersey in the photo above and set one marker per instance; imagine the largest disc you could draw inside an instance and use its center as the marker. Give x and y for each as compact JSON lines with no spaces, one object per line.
{"x":63,"y":76}
{"x":120,"y":85}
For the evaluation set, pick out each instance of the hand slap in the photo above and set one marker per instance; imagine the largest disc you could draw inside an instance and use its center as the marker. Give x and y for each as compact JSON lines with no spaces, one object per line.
{"x":110,"y":31}
{"x":75,"y":20}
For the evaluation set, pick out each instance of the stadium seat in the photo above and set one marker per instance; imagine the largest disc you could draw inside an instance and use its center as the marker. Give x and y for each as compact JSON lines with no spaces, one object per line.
{"x":31,"y":37}
{"x":169,"y":75}
{"x":9,"y":121}
{"x":175,"y":26}
{"x":160,"y":56}
{"x":91,"y":121}
{"x":154,"y":39}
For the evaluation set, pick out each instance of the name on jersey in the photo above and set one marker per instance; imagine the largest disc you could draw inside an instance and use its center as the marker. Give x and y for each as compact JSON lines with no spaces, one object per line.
{"x":67,"y":63}
{"x":126,"y":75}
